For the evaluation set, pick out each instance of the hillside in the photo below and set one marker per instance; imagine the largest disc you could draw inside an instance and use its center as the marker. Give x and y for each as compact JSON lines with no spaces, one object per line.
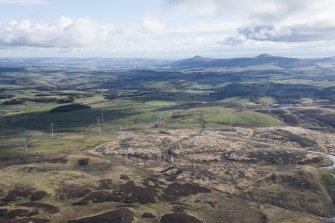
{"x":261,"y":60}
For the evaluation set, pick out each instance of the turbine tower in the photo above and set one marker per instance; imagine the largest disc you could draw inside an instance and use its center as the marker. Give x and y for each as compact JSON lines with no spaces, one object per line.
{"x":99,"y":127}
{"x":194,"y":147}
{"x":202,"y":120}
{"x":193,"y":158}
{"x":102,"y":114}
{"x":26,"y":140}
{"x":52,"y":129}
{"x":231,"y":121}
{"x":159,"y":121}
{"x":269,"y":137}
{"x":122,"y":106}
{"x":120,"y":134}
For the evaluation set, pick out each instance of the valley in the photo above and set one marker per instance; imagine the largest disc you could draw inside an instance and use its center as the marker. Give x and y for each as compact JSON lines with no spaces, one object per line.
{"x":195,"y":140}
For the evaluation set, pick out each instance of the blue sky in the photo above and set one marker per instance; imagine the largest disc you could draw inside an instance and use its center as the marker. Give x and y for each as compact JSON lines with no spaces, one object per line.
{"x":167,"y":28}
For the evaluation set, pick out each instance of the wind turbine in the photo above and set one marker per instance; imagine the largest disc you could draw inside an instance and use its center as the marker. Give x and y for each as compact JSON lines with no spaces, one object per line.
{"x":202,"y":120}
{"x":159,"y":121}
{"x":231,"y":121}
{"x":102,"y":114}
{"x":120,"y":134}
{"x":194,"y":152}
{"x":269,"y":137}
{"x":99,"y":127}
{"x":52,"y":129}
{"x":193,"y":164}
{"x":122,"y":106}
{"x":26,"y":140}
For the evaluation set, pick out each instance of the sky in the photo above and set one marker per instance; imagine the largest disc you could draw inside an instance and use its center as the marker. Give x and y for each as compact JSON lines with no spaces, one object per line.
{"x":166,"y":29}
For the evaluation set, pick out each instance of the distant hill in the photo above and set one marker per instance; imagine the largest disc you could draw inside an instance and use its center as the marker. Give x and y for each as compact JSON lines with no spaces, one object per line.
{"x":263,"y":59}
{"x":94,"y":62}
{"x":8,"y":64}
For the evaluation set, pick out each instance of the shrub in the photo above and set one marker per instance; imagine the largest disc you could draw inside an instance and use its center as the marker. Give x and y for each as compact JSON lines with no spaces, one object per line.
{"x":69,"y":108}
{"x":83,"y":162}
{"x":13,"y":102}
{"x":65,"y":100}
{"x":328,"y":179}
{"x":6,"y":96}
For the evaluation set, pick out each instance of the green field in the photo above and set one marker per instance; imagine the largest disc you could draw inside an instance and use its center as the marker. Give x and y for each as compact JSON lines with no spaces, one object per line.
{"x":79,"y":129}
{"x":264,"y":135}
{"x":133,"y":100}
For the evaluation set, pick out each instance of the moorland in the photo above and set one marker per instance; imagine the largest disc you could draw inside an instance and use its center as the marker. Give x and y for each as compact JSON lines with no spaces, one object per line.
{"x":194,"y":140}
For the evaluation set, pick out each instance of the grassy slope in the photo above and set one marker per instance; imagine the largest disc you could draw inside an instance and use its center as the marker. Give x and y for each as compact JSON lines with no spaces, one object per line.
{"x":78,"y":128}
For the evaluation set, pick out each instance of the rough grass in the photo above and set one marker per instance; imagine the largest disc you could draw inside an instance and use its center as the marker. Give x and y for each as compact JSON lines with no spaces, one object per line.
{"x":79,"y":129}
{"x":219,"y":116}
{"x":235,"y":100}
{"x":328,"y":179}
{"x":300,"y":140}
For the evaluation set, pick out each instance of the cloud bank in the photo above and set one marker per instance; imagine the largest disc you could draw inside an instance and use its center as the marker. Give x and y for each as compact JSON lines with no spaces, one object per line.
{"x":300,"y":33}
{"x":269,"y":20}
{"x":181,"y":26}
{"x":152,"y":25}
{"x":64,"y":33}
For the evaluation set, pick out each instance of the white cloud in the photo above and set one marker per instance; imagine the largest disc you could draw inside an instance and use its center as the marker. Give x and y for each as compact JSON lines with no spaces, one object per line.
{"x":152,"y":25}
{"x":224,"y":27}
{"x":24,"y":2}
{"x":199,"y":7}
{"x":261,"y":10}
{"x":297,"y":33}
{"x":269,"y":20}
{"x":64,"y":33}
{"x":234,"y":40}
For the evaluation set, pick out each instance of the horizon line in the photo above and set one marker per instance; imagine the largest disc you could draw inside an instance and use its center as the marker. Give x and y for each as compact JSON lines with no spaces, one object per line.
{"x":159,"y":58}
